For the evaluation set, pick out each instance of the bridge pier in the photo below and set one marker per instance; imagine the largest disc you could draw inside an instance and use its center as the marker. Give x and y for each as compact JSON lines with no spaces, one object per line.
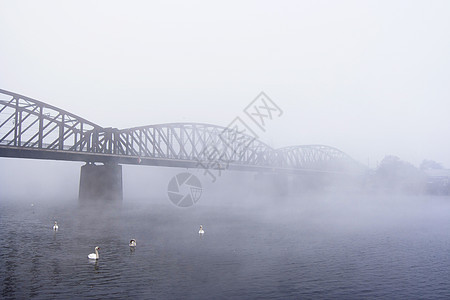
{"x":100,"y":182}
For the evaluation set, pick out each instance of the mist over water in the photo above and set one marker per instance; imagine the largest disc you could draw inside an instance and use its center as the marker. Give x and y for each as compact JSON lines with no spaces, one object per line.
{"x":353,"y":80}
{"x":257,"y":244}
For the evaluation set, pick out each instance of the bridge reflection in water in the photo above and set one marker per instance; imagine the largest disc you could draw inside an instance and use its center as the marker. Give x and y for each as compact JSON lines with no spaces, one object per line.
{"x":33,"y":129}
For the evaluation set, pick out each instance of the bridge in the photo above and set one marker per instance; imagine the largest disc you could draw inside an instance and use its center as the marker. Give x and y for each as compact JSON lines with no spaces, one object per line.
{"x":33,"y":129}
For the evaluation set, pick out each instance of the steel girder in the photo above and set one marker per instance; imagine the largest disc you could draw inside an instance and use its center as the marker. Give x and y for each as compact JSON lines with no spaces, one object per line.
{"x":204,"y":143}
{"x":319,"y":157}
{"x":26,"y":122}
{"x":29,"y":124}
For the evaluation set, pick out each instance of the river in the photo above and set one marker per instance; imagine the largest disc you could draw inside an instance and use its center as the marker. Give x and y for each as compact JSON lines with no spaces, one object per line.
{"x":308,"y":247}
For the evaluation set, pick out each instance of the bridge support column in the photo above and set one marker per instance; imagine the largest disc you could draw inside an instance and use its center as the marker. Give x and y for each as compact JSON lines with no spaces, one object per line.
{"x":101,"y":182}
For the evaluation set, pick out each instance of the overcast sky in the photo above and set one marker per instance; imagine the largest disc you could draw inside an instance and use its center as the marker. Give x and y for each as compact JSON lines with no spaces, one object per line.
{"x":368,"y":77}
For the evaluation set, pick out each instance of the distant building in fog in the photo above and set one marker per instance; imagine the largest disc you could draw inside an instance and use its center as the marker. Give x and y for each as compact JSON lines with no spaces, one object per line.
{"x":438,"y":181}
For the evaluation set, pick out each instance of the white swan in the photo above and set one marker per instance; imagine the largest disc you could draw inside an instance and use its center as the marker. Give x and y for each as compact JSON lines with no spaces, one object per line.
{"x":55,"y":227}
{"x":133,"y":243}
{"x":201,"y":231}
{"x":94,"y":255}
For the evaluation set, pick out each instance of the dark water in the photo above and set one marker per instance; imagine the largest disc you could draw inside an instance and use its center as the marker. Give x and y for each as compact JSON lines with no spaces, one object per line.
{"x":309,"y":248}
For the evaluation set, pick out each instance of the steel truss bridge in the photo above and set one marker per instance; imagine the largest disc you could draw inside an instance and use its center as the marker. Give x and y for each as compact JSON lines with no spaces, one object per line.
{"x":33,"y":129}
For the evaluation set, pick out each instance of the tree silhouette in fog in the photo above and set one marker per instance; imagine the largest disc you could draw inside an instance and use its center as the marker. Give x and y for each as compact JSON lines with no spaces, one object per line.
{"x":395,"y":175}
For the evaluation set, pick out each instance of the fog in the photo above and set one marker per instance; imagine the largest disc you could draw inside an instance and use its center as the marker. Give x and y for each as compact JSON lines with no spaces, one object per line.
{"x":369,"y":78}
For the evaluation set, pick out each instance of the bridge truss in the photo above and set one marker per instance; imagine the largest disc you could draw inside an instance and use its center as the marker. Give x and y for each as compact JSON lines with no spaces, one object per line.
{"x":33,"y":129}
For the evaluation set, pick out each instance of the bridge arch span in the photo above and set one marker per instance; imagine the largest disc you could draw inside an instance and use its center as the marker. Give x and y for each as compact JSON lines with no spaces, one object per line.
{"x":33,"y":129}
{"x":319,"y":157}
{"x":194,"y":141}
{"x":30,"y":123}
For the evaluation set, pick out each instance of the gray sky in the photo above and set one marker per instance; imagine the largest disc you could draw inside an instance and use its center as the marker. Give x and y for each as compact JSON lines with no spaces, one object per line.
{"x":368,"y":77}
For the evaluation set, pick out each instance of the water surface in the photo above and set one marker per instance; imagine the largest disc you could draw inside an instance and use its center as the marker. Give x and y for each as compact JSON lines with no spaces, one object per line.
{"x":309,"y":248}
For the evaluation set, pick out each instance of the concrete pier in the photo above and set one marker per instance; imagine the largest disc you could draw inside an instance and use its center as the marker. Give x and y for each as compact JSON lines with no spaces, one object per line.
{"x":101,"y":182}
